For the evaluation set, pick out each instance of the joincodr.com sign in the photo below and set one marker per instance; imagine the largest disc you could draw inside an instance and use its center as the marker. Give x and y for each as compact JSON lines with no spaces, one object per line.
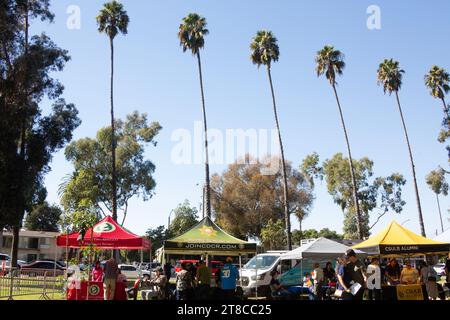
{"x":210,"y":246}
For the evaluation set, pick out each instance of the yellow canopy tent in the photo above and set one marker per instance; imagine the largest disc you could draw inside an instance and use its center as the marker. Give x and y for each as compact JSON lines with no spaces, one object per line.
{"x":397,"y":240}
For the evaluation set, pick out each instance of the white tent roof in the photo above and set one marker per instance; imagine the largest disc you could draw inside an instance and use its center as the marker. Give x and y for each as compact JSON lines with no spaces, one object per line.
{"x":319,"y":249}
{"x":444,"y":237}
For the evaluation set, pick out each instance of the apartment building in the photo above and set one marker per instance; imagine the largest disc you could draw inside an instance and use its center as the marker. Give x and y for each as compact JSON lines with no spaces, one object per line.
{"x":33,"y":245}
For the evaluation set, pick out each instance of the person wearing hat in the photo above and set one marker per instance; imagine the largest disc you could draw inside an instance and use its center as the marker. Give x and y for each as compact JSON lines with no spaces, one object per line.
{"x":352,"y":274}
{"x":228,"y":278}
{"x":160,"y":282}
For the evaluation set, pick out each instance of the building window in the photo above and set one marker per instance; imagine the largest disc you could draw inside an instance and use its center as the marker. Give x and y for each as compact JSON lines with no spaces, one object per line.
{"x":7,"y":242}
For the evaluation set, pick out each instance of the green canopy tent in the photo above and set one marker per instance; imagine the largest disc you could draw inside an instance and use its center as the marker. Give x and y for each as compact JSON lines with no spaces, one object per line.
{"x":206,"y":238}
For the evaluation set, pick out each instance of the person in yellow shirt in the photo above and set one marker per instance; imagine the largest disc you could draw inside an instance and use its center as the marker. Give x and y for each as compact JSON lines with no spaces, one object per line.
{"x":409,"y":274}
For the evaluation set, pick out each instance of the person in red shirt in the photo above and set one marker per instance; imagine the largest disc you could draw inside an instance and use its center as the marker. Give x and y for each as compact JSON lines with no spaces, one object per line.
{"x":121,"y":287}
{"x":97,"y":273}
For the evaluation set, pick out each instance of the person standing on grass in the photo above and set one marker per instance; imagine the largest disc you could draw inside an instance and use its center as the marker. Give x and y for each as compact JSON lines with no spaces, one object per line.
{"x":353,"y":274}
{"x":184,"y":283}
{"x":318,"y":280}
{"x":109,"y":281}
{"x":228,"y":277}
{"x":203,"y":278}
{"x":428,"y":278}
{"x":160,"y":282}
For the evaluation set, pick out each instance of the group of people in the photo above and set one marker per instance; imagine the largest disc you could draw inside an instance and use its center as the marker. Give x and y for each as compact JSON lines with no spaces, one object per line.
{"x":354,"y":278}
{"x":194,"y":282}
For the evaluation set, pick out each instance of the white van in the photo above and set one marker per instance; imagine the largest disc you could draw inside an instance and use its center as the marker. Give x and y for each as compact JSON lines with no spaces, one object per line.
{"x":255,"y":275}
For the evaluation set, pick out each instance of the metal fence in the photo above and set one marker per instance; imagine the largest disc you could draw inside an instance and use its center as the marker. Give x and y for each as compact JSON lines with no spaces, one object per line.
{"x":41,"y":284}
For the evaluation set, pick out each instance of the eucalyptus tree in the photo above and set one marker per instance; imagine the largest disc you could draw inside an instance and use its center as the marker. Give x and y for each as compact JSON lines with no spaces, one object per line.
{"x":330,"y":62}
{"x":112,"y":20}
{"x":436,"y":181}
{"x":265,"y":51}
{"x":390,"y":77}
{"x":192,"y":32}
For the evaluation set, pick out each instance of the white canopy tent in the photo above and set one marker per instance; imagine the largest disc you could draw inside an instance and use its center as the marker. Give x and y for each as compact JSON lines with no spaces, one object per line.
{"x":444,"y":237}
{"x":321,"y":249}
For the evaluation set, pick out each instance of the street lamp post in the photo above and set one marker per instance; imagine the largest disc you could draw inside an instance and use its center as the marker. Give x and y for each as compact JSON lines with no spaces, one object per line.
{"x":168,"y":222}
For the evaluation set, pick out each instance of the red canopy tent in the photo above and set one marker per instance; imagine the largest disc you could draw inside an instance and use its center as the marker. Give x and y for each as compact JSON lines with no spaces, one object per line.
{"x":108,"y":234}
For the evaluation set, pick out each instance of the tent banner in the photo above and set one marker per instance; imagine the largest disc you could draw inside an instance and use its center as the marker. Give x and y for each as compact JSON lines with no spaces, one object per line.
{"x":412,"y":249}
{"x":410,"y":292}
{"x":251,"y":247}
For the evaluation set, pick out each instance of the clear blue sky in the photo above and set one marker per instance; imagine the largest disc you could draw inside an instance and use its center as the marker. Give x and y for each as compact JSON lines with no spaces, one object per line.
{"x":153,"y":75}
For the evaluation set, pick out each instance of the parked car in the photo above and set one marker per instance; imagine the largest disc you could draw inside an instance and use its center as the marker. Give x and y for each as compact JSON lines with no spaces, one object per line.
{"x":440,"y":269}
{"x":132,"y":272}
{"x":4,"y":257}
{"x":5,"y":262}
{"x":41,"y":267}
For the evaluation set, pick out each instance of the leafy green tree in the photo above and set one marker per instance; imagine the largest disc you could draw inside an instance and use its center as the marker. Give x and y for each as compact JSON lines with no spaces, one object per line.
{"x":185,"y":218}
{"x":437,"y":182}
{"x":331,"y":63}
{"x":245,"y":197}
{"x":157,"y":236}
{"x":31,"y":136}
{"x":382,"y":193}
{"x":192,"y":34}
{"x":112,"y":20}
{"x":91,"y":178}
{"x":273,"y":235}
{"x":43,"y":217}
{"x":390,"y":76}
{"x":265,"y":51}
{"x":298,"y":235}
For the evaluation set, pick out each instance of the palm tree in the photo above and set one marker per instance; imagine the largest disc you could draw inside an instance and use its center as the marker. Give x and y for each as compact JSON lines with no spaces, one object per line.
{"x":436,"y":181}
{"x":331,"y":63}
{"x":438,"y":81}
{"x":265,"y":50}
{"x":390,"y":76}
{"x":112,"y":20}
{"x":191,"y":35}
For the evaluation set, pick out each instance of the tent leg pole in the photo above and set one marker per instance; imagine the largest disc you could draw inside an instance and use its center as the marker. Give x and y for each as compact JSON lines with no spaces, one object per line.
{"x":240,"y":267}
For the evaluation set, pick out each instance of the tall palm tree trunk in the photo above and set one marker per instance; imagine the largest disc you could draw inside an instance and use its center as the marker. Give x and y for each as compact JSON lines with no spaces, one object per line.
{"x":283,"y":165}
{"x":440,"y":213}
{"x":352,"y":169}
{"x":207,"y":193}
{"x":413,"y":167}
{"x":113,"y":139}
{"x":447,"y":116}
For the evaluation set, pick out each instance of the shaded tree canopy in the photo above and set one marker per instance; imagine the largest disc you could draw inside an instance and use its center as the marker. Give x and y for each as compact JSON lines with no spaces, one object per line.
{"x":185,"y":218}
{"x":245,"y":197}
{"x":298,"y":235}
{"x":382,"y":193}
{"x":273,"y":235}
{"x":91,"y":179}
{"x":44,"y":217}
{"x":29,"y":136}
